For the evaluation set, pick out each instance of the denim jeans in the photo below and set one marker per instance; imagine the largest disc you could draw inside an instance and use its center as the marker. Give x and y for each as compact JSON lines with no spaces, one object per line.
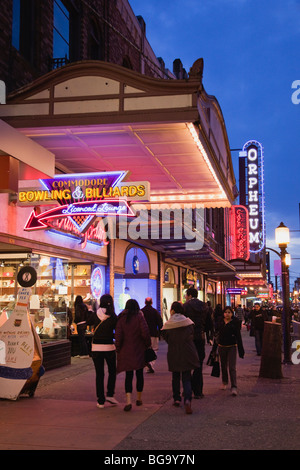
{"x":98,"y":358}
{"x":228,"y":356}
{"x":186,"y":383}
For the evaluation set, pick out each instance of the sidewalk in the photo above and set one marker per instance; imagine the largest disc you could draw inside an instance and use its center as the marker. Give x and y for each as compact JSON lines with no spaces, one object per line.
{"x":63,"y":414}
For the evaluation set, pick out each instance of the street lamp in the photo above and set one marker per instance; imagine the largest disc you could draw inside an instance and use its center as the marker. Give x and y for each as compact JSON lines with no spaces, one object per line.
{"x":282,"y":237}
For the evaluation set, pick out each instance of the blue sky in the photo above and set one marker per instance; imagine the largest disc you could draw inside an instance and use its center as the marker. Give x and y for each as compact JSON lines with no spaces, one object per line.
{"x":251,"y":52}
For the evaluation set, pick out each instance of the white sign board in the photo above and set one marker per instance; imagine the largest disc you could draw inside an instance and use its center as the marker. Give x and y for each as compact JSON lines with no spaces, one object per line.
{"x":16,"y":348}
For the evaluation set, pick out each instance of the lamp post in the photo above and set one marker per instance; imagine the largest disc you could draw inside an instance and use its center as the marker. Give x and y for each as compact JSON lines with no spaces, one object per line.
{"x":282,"y":237}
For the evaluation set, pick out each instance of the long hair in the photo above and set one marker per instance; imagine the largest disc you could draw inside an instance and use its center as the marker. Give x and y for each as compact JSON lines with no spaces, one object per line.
{"x":106,"y":301}
{"x":78,"y":300}
{"x":132,"y":308}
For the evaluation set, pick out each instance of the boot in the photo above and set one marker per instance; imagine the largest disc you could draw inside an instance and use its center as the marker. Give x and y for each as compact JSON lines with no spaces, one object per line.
{"x":128,"y":405}
{"x":139,"y":399}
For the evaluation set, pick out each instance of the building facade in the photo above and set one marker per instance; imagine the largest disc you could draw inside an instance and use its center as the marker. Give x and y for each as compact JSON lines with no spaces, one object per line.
{"x":107,"y":119}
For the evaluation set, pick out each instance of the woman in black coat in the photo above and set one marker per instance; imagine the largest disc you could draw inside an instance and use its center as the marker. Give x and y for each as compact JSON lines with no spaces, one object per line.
{"x":182,"y":355}
{"x":229,"y":343}
{"x":81,"y":316}
{"x":104,"y":350}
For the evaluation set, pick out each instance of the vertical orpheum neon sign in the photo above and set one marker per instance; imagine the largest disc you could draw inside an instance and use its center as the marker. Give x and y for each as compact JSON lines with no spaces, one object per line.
{"x":254,"y":194}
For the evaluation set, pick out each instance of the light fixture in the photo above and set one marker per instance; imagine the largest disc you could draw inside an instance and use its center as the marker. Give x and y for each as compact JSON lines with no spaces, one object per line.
{"x":288,"y":260}
{"x":282,"y":235}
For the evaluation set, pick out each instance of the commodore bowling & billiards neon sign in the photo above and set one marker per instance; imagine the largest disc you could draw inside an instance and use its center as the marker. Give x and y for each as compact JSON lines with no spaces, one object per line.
{"x":81,"y":198}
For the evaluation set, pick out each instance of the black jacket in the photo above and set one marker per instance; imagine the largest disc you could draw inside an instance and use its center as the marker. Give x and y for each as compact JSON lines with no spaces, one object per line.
{"x":230,"y":334}
{"x":153,"y":319}
{"x":104,"y":330}
{"x":197,"y":311}
{"x":81,"y":313}
{"x":258,"y":317}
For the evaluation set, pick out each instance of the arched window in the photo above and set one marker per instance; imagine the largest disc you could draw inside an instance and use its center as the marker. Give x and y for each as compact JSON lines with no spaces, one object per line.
{"x":136,"y":262}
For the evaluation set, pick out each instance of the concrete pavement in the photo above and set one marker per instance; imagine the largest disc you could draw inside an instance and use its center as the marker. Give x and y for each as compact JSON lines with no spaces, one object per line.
{"x":63,"y":414}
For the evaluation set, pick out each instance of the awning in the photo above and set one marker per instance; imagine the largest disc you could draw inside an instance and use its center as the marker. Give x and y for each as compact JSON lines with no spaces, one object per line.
{"x":94,"y":116}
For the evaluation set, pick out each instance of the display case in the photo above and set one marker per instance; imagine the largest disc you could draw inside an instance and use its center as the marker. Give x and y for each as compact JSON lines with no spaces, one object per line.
{"x":50,"y":325}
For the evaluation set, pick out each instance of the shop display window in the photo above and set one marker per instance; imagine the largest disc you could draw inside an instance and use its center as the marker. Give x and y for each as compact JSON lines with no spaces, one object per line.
{"x":51,"y":304}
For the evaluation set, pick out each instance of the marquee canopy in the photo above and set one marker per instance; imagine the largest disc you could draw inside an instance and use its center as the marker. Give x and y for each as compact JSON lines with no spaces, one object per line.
{"x":96,"y":116}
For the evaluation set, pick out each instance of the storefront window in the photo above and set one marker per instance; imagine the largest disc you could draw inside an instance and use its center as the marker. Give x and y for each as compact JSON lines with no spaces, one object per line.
{"x":53,"y":295}
{"x":136,"y":283}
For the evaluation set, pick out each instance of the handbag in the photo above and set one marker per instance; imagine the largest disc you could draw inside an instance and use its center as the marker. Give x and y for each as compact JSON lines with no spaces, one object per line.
{"x":215,"y":369}
{"x":150,"y":355}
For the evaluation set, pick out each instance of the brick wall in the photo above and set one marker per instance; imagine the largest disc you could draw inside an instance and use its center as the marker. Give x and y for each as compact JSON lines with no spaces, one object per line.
{"x":122,"y":37}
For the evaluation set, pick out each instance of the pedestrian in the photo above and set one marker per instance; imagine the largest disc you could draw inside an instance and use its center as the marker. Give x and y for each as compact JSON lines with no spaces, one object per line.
{"x":196,"y":310}
{"x":209,"y":327}
{"x":239,"y":312}
{"x":217,"y":318}
{"x":258,"y":318}
{"x":155,"y":323}
{"x":132,"y":339}
{"x":182,"y":355}
{"x":104,"y":350}
{"x":81,"y":316}
{"x":229,"y":343}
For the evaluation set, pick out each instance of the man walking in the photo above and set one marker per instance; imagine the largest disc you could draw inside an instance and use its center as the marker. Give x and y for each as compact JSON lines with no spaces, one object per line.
{"x":258,"y":318}
{"x":197,"y":311}
{"x":155,"y":323}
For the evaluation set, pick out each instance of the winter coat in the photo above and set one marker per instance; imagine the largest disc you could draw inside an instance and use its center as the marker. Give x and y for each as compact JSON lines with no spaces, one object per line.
{"x":131,"y":340}
{"x":179,"y":334}
{"x":81,"y":313}
{"x":153,"y":319}
{"x":197,"y":311}
{"x":258,"y":317}
{"x":230,"y":334}
{"x":104,"y":327}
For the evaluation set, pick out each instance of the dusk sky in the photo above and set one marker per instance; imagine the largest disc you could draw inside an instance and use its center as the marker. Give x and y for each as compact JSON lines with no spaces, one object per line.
{"x":251,"y":64}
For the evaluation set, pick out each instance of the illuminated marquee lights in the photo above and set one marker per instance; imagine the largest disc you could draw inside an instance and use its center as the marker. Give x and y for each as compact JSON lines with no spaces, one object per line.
{"x":253,"y":152}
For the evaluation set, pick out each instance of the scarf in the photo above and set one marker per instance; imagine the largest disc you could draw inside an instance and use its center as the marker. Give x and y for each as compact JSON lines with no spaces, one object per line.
{"x":177,"y":321}
{"x":101,"y":314}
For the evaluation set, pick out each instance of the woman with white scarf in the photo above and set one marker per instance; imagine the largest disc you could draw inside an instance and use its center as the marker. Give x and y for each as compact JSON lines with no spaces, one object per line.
{"x":182,"y":355}
{"x":103,"y":349}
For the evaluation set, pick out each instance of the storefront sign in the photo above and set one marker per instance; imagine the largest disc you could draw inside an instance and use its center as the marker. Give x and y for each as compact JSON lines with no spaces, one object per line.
{"x":82,"y":198}
{"x":97,"y":282}
{"x":234,"y":291}
{"x":254,"y":194}
{"x":81,"y":209}
{"x":94,"y":233}
{"x":239,"y":226}
{"x":69,"y":189}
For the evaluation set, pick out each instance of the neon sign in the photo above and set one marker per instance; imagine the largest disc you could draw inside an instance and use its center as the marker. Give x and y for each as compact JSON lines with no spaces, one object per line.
{"x":254,"y":194}
{"x":239,"y":224}
{"x":92,"y":208}
{"x":97,"y":283}
{"x":82,"y":198}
